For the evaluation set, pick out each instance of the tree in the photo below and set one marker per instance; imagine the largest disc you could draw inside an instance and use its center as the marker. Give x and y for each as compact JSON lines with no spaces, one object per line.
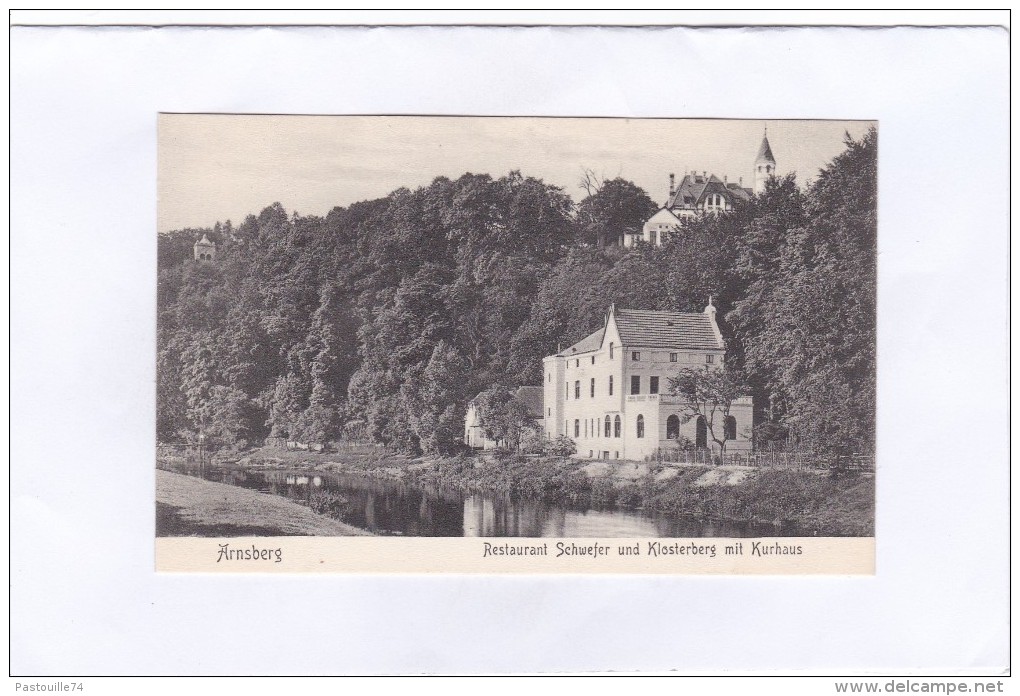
{"x":612,"y":208}
{"x":502,"y":417}
{"x":435,"y":400}
{"x":709,"y":394}
{"x":807,"y":322}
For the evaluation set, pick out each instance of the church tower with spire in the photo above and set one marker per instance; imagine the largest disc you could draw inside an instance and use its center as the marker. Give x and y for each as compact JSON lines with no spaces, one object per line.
{"x":764,"y":164}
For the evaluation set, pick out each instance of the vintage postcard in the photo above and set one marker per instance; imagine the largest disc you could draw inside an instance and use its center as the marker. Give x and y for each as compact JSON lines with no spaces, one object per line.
{"x":515,"y":345}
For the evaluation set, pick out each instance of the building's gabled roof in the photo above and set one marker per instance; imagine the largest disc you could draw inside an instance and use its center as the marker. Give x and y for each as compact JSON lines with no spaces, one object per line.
{"x":592,"y":341}
{"x":664,"y":215}
{"x":683,"y":331}
{"x":694,"y":187}
{"x":532,"y":398}
{"x":204,"y":241}
{"x":765,"y":152}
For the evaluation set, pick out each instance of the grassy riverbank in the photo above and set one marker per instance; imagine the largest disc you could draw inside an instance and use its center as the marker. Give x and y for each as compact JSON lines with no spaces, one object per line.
{"x":811,"y":502}
{"x":189,"y":506}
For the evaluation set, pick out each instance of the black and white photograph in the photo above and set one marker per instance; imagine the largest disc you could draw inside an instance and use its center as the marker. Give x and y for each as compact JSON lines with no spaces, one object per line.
{"x":515,"y":327}
{"x":506,"y":343}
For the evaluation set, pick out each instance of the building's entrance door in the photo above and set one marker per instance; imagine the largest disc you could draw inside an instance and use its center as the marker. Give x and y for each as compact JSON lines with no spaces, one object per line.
{"x":700,"y":433}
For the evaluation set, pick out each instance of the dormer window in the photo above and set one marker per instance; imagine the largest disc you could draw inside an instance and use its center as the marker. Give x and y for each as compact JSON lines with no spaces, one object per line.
{"x":715,"y":201}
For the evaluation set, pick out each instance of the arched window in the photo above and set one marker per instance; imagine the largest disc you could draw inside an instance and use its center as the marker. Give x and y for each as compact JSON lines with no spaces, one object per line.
{"x":610,"y":385}
{"x":673,"y":427}
{"x":640,"y":426}
{"x":577,"y":428}
{"x":608,"y":426}
{"x":616,"y":427}
{"x":730,"y":428}
{"x":700,"y":433}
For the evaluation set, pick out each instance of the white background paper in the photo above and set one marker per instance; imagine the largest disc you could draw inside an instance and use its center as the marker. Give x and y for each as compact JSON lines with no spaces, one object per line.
{"x":84,"y":597}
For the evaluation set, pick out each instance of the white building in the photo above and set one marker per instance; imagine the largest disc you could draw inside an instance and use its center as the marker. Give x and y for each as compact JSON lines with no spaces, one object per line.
{"x":703,"y":193}
{"x":205,"y":250}
{"x":608,"y":391}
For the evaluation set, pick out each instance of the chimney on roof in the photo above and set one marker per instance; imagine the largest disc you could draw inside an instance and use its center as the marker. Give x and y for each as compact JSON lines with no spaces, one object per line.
{"x":672,"y":184}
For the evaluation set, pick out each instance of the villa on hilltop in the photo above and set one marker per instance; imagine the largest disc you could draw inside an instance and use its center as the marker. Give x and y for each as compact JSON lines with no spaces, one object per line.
{"x":703,"y":193}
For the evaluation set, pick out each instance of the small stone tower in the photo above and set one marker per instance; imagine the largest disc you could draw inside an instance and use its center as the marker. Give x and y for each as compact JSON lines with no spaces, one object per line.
{"x":204,"y":249}
{"x":764,"y":164}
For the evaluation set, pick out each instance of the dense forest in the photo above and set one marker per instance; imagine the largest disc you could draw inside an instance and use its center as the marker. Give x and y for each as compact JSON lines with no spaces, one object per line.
{"x":389,"y":315}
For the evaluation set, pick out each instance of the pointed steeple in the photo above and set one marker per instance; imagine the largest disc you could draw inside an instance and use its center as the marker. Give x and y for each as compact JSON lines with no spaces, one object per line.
{"x":764,"y":164}
{"x":765,"y":151}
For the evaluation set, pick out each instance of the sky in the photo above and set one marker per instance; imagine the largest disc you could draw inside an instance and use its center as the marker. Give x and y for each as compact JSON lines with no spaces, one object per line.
{"x":225,"y":167}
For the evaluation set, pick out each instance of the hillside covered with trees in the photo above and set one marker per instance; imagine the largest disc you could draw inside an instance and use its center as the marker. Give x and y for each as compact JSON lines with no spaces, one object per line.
{"x":394,"y":312}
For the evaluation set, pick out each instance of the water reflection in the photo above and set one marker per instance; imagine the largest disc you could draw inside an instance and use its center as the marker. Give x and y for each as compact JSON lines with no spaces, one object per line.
{"x":395,"y":508}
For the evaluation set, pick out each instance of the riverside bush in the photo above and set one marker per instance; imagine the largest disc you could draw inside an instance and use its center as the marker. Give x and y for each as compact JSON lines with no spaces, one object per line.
{"x":329,"y":504}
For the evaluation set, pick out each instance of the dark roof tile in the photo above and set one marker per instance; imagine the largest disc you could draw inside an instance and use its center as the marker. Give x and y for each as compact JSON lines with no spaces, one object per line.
{"x":592,"y":341}
{"x":647,"y":329}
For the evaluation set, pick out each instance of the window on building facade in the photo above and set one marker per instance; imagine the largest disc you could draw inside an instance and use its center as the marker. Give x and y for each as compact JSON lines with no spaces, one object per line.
{"x":593,"y":387}
{"x":610,"y":385}
{"x":635,"y":355}
{"x":610,"y":351}
{"x":710,"y":358}
{"x":700,"y":433}
{"x":653,"y":385}
{"x":640,"y":426}
{"x":548,"y":412}
{"x":608,"y":425}
{"x":730,"y":428}
{"x":568,"y":392}
{"x":651,"y":236}
{"x":616,"y":427}
{"x":566,"y":428}
{"x":577,"y":389}
{"x":550,"y":377}
{"x":593,"y":360}
{"x":673,"y":427}
{"x":635,"y":384}
{"x":577,"y":363}
{"x":577,"y":428}
{"x":672,"y":357}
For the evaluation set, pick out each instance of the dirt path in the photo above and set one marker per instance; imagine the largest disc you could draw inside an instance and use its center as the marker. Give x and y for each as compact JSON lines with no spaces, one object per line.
{"x":188,"y":506}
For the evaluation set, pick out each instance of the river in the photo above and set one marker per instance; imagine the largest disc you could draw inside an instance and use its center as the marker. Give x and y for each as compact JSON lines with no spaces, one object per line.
{"x":394,"y":508}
